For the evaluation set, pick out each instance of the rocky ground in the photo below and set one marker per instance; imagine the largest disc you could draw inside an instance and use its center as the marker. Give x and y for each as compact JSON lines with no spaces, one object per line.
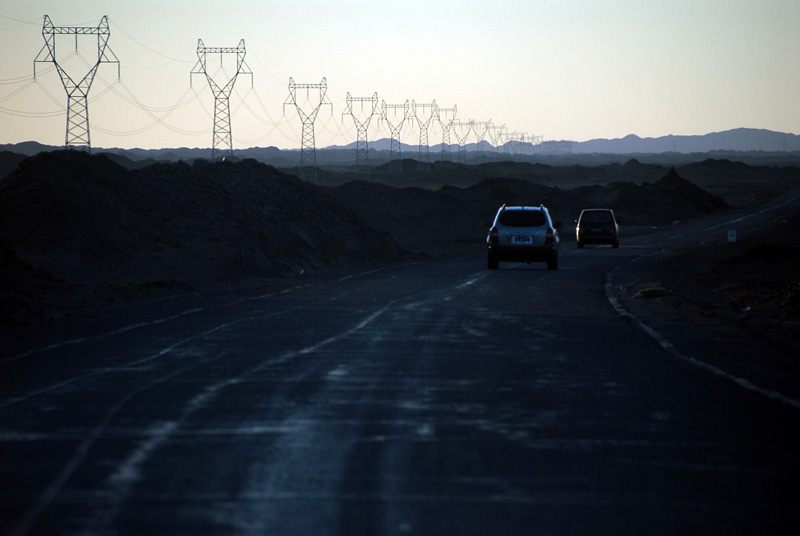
{"x":752,"y":284}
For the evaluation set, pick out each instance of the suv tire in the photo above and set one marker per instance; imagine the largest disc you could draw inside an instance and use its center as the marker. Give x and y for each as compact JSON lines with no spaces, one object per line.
{"x":552,"y":262}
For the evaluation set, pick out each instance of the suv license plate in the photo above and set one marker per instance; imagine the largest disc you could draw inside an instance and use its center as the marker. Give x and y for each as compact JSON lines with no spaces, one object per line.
{"x":522,"y":240}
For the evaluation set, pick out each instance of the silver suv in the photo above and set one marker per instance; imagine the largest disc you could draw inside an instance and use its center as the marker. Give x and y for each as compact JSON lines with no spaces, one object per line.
{"x":523,"y":234}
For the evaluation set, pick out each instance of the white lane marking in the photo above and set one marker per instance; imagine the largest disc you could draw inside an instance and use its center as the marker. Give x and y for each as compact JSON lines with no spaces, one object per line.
{"x":53,"y":489}
{"x":128,"y":471}
{"x":670,"y":348}
{"x":118,"y":331}
{"x":351,"y":276}
{"x":752,"y":214}
{"x":129,"y":468}
{"x":475,"y":278}
{"x":149,"y":358}
{"x":131,"y":327}
{"x":330,"y":340}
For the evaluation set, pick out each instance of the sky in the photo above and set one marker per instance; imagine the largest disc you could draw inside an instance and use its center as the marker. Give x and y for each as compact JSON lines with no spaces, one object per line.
{"x":543,"y":69}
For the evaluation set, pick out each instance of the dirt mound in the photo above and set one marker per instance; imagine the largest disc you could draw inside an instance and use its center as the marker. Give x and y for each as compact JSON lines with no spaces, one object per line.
{"x":686,"y":196}
{"x":82,"y":220}
{"x":671,"y":198}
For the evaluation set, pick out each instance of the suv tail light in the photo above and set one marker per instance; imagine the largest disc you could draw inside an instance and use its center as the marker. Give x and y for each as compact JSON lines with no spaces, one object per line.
{"x":494,"y":236}
{"x":550,"y":237}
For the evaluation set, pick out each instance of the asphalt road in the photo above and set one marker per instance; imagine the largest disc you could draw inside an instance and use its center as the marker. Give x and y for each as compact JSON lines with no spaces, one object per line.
{"x":427,"y":398}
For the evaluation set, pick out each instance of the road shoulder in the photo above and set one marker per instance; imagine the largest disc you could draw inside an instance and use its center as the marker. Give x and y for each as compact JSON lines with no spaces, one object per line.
{"x":671,"y":293}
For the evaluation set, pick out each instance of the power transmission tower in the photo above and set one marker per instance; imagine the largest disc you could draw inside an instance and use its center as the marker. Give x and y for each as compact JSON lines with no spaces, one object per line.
{"x":481,"y":128}
{"x":462,"y":129}
{"x":222,"y":110}
{"x":533,"y":143}
{"x":516,"y":143}
{"x":446,"y":117}
{"x":362,"y":117}
{"x":77,"y":92}
{"x":395,"y":126}
{"x":424,"y":114}
{"x":308,"y":154}
{"x":496,"y":134}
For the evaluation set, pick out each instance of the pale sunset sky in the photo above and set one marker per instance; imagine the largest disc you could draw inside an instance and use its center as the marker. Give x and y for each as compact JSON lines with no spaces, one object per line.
{"x":553,"y":69}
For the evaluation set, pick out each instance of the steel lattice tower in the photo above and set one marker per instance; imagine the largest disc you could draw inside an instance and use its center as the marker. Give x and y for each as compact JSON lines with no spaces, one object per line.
{"x":222,"y":110}
{"x":462,"y":129}
{"x":77,"y":92}
{"x":424,"y":114}
{"x":481,"y":128}
{"x":496,"y":134}
{"x":514,"y":141}
{"x":362,"y":118}
{"x":447,"y":123}
{"x":395,"y":126}
{"x":308,"y":155}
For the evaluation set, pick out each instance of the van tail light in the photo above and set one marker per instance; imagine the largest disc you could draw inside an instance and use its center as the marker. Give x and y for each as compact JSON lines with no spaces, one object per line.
{"x":550,"y":237}
{"x":494,"y":237}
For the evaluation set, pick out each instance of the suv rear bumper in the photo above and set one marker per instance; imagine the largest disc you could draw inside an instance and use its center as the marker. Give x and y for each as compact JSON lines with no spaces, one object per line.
{"x":522,"y":254}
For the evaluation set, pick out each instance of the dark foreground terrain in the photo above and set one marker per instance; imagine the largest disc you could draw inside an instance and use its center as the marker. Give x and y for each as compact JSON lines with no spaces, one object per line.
{"x":415,"y":397}
{"x":223,"y":349}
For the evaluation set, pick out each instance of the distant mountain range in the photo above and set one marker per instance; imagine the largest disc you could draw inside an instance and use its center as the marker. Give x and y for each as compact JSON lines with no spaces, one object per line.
{"x":744,"y":140}
{"x":740,"y":139}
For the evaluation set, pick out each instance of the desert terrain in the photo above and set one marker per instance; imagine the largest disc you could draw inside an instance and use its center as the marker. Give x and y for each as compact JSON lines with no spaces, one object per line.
{"x":85,"y":237}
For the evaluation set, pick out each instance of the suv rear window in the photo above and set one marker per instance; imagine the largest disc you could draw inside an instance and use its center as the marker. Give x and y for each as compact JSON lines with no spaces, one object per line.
{"x":596,"y":216}
{"x":522,"y":218}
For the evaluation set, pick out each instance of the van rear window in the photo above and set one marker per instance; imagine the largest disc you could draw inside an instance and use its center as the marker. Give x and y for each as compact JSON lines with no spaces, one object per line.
{"x":522,"y":218}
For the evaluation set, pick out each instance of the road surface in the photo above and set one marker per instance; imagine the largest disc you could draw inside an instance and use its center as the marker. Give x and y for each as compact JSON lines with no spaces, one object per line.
{"x":425,"y":398}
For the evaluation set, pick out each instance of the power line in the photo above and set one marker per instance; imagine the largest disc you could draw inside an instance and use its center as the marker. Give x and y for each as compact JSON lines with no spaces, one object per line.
{"x":77,"y":131}
{"x":157,"y":53}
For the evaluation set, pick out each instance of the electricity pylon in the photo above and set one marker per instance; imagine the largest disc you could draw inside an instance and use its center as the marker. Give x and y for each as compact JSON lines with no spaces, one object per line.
{"x":446,"y":117}
{"x":496,"y":133}
{"x":514,"y":142}
{"x":222,"y":108}
{"x":480,"y":128}
{"x":395,"y":126}
{"x":308,"y":154}
{"x":462,"y":129}
{"x":77,"y":92}
{"x":362,"y":117}
{"x":424,"y":114}
{"x":533,"y":142}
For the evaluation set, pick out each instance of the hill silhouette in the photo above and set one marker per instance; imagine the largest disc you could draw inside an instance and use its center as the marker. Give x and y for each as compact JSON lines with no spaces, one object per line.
{"x":73,"y":221}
